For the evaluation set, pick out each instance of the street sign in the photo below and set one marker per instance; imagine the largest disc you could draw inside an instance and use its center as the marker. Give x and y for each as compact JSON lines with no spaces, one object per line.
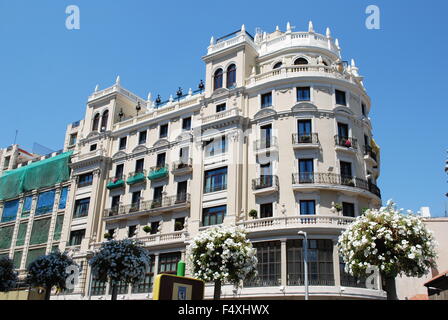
{"x":170,"y":287}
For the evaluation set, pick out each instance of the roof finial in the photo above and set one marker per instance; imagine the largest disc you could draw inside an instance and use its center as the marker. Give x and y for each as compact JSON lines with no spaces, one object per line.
{"x":336,"y":42}
{"x":97,"y":88}
{"x":328,"y":32}
{"x":190,"y":92}
{"x":353,"y":63}
{"x":277,"y":28}
{"x":149,"y":97}
{"x":212,"y":40}
{"x":243,"y":28}
{"x":310,"y":26}
{"x":288,"y":26}
{"x":171,"y":98}
{"x":118,"y":80}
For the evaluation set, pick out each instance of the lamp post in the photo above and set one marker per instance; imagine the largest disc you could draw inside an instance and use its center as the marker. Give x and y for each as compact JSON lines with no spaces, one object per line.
{"x":305,"y":260}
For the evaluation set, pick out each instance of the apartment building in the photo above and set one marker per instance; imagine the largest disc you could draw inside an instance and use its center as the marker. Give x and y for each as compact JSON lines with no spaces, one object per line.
{"x":277,"y":139}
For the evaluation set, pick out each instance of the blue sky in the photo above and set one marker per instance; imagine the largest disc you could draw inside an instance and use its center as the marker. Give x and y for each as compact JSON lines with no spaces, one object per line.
{"x":47,"y":71}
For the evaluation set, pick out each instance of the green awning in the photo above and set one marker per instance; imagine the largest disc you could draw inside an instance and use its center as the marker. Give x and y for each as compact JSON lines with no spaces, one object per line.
{"x":116,"y":184}
{"x":37,"y":175}
{"x":162,"y":173}
{"x":139,"y":177}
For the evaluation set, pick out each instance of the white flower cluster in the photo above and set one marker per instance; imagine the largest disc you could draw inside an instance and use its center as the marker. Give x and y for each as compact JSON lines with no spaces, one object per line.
{"x":389,"y":240}
{"x":123,"y":260}
{"x":222,"y":254}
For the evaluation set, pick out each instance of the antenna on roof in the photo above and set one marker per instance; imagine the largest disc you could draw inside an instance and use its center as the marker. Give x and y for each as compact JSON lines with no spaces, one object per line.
{"x":15,"y":137}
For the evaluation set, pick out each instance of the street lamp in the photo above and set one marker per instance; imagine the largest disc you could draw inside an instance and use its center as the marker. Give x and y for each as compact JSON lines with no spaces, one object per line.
{"x":305,"y":260}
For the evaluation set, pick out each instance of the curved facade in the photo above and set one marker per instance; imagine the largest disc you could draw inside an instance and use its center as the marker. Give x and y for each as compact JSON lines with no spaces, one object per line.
{"x":278,"y":140}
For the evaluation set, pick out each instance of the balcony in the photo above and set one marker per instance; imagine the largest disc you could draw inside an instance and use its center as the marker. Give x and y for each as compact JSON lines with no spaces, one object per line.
{"x":116,"y":182}
{"x":179,"y":201}
{"x":266,"y":145}
{"x":136,"y":177}
{"x":227,"y":114}
{"x":265,"y":185}
{"x":182,"y":167}
{"x":305,"y":141}
{"x":317,"y":221}
{"x":346,"y":144}
{"x":158,"y":172}
{"x":370,"y":155}
{"x":312,"y":180}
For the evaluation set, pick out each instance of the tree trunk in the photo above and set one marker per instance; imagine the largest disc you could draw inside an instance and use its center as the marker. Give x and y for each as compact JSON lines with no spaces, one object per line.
{"x":217,"y":293}
{"x":114,"y":292}
{"x":47,"y":292}
{"x":390,"y":287}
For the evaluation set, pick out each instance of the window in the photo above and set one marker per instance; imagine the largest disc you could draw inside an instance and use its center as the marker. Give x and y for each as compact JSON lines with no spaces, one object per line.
{"x":363,"y":109}
{"x":348,"y":209}
{"x":85,"y":180}
{"x":10,"y":211}
{"x":213,"y":216}
{"x":221,"y":108}
{"x":182,"y":191}
{"x":139,"y":165}
{"x":72,"y":140}
{"x":26,"y":209}
{"x":217,"y":79}
{"x":104,"y":120}
{"x":163,"y":131}
{"x":347,"y":280}
{"x":266,"y":100}
{"x":268,"y":266}
{"x":300,"y":61}
{"x":135,"y":202}
{"x":168,"y":262}
{"x":96,"y":122}
{"x":158,"y":194}
{"x":179,"y":224}
{"x":304,"y":128}
{"x":278,"y":65}
{"x":266,"y":210}
{"x":346,"y":169}
{"x":216,"y":146}
{"x":231,"y":76}
{"x":320,"y":263}
{"x":145,"y":285}
{"x":343,"y":131}
{"x":266,"y":136}
{"x":131,"y":231}
{"x":63,"y":198}
{"x":142,"y":137}
{"x":341,"y":98}
{"x":307,"y":207}
{"x":306,"y":171}
{"x":303,"y":94}
{"x":98,"y":288}
{"x":93,"y":147}
{"x":81,"y":208}
{"x":184,"y":153}
{"x":119,"y":171}
{"x":155,"y":227}
{"x":186,"y":123}
{"x":45,"y":202}
{"x":76,"y":237}
{"x":215,"y":180}
{"x":123,"y":142}
{"x":161,"y":160}
{"x":115,"y":202}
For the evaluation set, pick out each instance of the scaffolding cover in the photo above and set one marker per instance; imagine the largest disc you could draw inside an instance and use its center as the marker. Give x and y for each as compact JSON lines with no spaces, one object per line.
{"x":37,"y":175}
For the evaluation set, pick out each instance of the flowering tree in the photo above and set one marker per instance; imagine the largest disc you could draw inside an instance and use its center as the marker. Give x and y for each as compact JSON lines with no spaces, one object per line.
{"x":49,"y":271}
{"x":8,"y":277}
{"x":118,"y":261}
{"x":222,"y":254}
{"x":386,"y":239}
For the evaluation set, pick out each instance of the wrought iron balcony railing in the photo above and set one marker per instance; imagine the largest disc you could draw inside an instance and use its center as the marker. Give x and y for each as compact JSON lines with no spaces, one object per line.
{"x":368,"y":151}
{"x":335,"y":179}
{"x":265,"y":182}
{"x":266,"y":143}
{"x":142,"y":206}
{"x":182,"y":165}
{"x":299,"y":138}
{"x":346,"y":142}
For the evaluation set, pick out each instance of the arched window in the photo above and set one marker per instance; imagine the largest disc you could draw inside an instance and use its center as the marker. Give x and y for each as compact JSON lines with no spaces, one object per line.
{"x":104,"y":120}
{"x":231,"y":76}
{"x":217,"y":79}
{"x":278,"y":65}
{"x":96,"y":122}
{"x":300,"y":61}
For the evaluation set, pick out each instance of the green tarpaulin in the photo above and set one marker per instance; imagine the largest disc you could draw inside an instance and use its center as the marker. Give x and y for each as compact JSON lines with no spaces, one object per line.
{"x":161,"y":173}
{"x":139,"y":177}
{"x":41,"y":174}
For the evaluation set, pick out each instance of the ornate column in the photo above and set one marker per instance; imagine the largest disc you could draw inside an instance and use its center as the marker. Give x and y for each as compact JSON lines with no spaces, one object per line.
{"x":336,"y":266}
{"x":284,"y":262}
